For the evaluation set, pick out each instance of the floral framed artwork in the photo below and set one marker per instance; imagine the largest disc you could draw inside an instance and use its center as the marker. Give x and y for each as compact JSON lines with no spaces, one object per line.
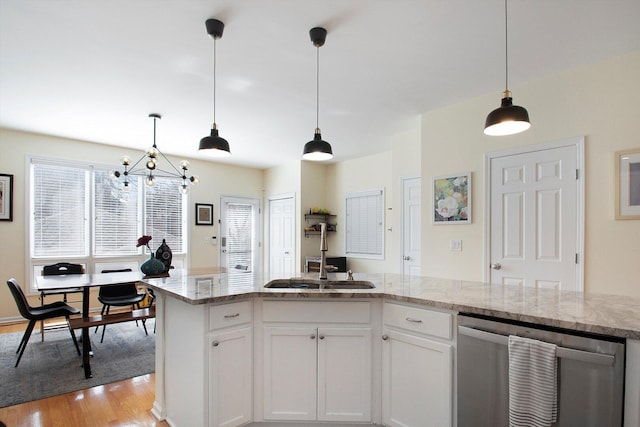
{"x":6,"y":197}
{"x":452,"y":199}
{"x":204,"y":214}
{"x":628,"y":184}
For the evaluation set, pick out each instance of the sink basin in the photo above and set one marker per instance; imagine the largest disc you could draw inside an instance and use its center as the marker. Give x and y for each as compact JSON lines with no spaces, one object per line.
{"x":315,"y":284}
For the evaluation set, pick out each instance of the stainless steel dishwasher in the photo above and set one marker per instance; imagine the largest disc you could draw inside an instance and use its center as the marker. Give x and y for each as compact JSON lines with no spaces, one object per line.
{"x":590,"y":373}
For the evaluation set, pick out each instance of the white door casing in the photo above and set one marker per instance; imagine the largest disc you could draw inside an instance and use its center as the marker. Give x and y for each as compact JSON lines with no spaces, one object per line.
{"x":282,"y":235}
{"x":411,"y":226}
{"x":534,"y":216}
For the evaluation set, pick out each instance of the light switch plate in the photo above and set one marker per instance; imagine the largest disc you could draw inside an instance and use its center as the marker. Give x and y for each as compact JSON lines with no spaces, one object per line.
{"x":455,"y":245}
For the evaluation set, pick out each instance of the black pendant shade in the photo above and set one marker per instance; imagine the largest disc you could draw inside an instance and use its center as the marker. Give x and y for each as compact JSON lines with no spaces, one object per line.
{"x":317,"y":149}
{"x":508,"y":119}
{"x":218,"y":145}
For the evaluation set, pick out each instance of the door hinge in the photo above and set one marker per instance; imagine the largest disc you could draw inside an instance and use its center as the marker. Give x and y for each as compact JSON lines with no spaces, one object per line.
{"x":576,"y":258}
{"x":577,"y":173}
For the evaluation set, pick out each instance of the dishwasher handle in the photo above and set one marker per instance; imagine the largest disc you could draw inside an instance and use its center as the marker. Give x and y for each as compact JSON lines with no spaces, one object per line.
{"x":563,"y":352}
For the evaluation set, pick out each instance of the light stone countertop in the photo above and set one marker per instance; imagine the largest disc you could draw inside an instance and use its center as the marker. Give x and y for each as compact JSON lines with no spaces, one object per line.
{"x":602,"y":314}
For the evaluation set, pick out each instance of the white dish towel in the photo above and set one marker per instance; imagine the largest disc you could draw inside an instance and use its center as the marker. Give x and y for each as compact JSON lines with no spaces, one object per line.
{"x":533,"y":383}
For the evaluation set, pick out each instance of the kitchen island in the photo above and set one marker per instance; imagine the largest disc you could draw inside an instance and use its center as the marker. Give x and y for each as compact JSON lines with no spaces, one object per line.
{"x":197,"y":313}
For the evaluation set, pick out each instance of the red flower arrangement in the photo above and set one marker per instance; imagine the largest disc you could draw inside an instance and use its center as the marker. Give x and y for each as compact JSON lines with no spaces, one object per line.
{"x":144,"y":241}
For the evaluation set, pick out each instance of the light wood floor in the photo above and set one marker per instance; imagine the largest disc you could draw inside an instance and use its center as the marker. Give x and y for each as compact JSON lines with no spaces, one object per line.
{"x":124,"y":403}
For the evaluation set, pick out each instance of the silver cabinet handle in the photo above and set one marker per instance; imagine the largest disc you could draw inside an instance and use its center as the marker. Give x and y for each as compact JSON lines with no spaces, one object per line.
{"x":496,"y":266}
{"x":313,"y":336}
{"x":231,"y":316}
{"x":385,"y":337}
{"x":411,"y":319}
{"x":215,"y":344}
{"x":321,"y":337}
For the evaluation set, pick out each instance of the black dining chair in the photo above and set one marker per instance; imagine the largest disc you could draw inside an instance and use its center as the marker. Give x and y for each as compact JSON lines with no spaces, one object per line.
{"x":59,"y":269}
{"x":35,"y":314}
{"x":121,"y":295}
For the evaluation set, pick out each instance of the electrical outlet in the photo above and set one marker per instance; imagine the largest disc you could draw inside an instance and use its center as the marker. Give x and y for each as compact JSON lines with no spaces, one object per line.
{"x":455,"y":245}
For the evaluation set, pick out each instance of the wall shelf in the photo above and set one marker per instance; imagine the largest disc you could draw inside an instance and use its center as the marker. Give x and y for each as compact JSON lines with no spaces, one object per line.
{"x":312,"y":220}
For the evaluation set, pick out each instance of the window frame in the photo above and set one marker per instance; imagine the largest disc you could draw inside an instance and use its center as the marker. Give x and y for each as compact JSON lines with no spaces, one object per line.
{"x":92,"y":262}
{"x":374,"y":253}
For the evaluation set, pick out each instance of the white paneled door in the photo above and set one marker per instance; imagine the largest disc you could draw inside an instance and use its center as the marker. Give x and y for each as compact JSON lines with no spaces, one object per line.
{"x":411,"y":226}
{"x":282,"y":234}
{"x":535,"y":211}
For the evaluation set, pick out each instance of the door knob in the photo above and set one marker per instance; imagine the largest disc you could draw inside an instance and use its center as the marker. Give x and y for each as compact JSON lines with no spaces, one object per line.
{"x":496,"y":266}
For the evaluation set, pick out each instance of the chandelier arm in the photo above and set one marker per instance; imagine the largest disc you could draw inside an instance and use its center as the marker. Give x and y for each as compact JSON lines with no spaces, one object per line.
{"x":133,"y":166}
{"x":172,"y":165}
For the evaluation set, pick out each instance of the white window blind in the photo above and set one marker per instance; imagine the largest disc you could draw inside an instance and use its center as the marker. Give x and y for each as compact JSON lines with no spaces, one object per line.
{"x":117,"y":224}
{"x":59,"y":211}
{"x":164,"y":214}
{"x":364,"y":226}
{"x":241,"y":232}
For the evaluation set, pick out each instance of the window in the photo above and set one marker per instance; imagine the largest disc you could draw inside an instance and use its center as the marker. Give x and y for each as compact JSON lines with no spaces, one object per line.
{"x":365,"y":224}
{"x":77,"y":215}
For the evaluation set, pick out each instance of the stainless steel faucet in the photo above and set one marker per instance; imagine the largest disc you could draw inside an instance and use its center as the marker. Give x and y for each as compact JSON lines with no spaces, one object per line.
{"x":323,"y":251}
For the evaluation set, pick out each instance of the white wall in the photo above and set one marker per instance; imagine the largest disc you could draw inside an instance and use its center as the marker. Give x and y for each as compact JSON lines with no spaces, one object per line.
{"x":599,"y":102}
{"x":215,"y":179}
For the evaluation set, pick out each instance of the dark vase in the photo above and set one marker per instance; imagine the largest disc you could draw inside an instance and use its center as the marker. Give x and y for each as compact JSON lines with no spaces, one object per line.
{"x":165,"y":255}
{"x":152,"y":266}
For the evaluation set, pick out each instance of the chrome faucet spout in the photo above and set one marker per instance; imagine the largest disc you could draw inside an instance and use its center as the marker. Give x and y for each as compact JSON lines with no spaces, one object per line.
{"x":323,"y":251}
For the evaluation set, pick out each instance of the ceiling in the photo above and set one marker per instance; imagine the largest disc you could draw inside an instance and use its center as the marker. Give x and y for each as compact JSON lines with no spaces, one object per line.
{"x":93,"y":70}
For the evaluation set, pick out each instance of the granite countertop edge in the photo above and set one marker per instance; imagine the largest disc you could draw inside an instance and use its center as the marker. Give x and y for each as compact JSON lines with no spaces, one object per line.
{"x":600,"y":314}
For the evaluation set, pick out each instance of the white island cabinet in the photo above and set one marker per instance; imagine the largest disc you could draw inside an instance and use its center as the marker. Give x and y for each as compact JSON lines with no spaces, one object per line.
{"x":204,"y":360}
{"x":417,"y":367}
{"x":317,"y":361}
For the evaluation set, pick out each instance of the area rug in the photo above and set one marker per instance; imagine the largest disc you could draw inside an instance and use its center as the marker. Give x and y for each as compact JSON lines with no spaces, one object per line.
{"x":53,"y":367}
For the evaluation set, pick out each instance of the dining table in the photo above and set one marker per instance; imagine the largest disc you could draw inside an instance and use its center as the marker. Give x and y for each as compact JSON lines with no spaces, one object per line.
{"x":86,"y":282}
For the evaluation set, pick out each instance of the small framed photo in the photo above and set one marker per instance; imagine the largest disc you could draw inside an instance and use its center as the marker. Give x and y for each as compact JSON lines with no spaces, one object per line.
{"x":452,"y":199}
{"x":204,"y":214}
{"x":628,"y":184}
{"x":6,"y":197}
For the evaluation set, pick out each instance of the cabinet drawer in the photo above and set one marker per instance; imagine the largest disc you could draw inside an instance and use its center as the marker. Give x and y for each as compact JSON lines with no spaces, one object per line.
{"x":425,"y":321}
{"x":225,"y":315}
{"x":317,"y":311}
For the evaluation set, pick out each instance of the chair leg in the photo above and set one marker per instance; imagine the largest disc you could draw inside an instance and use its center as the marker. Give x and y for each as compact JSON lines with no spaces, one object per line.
{"x":73,"y":336}
{"x":104,"y":327}
{"x":144,"y":322}
{"x":25,"y":340}
{"x":101,"y":314}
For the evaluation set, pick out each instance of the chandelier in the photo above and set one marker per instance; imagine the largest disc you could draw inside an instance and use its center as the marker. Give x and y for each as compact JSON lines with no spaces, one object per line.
{"x":148,"y":167}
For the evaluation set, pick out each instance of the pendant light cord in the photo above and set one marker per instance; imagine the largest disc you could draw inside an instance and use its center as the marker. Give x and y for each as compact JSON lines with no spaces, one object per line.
{"x":214,"y":82}
{"x":506,"y":49}
{"x":318,"y":87}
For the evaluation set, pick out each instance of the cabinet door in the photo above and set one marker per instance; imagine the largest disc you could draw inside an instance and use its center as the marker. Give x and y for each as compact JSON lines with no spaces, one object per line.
{"x":231,"y":377}
{"x":417,"y":377}
{"x":344,"y":374}
{"x":290,"y":372}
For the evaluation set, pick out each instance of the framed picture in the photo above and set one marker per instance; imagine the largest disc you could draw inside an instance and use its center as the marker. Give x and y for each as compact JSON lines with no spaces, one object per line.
{"x":452,"y":199}
{"x":204,"y":214}
{"x":628,"y":184}
{"x":6,"y":197}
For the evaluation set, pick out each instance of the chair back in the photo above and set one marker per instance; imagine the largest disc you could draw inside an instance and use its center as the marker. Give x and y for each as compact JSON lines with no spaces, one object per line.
{"x":120,"y":290}
{"x":62,"y":268}
{"x":21,"y":300}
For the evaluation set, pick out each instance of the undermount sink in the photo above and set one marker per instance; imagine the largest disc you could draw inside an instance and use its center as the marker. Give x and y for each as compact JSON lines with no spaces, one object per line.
{"x":317,"y":284}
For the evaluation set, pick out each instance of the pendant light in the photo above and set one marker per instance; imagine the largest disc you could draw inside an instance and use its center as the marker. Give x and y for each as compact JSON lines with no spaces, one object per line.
{"x":219,"y":146}
{"x":508,"y":119}
{"x":317,"y":149}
